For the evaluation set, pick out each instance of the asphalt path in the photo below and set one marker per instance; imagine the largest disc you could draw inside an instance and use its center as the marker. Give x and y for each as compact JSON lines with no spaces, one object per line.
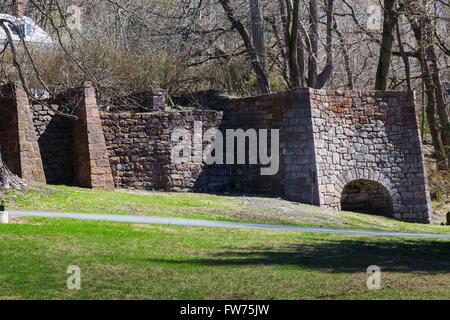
{"x":219,"y":224}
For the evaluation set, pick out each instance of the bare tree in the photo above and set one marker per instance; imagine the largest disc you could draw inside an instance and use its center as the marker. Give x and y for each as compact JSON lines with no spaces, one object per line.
{"x":261,"y":75}
{"x":178,"y":45}
{"x":437,"y":109}
{"x":258,"y":33}
{"x":316,"y":79}
{"x":387,"y":44}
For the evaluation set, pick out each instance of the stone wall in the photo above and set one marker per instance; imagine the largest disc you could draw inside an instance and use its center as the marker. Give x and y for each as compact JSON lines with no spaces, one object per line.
{"x":140,"y":146}
{"x":373,"y":136}
{"x":20,"y":148}
{"x":9,"y":135}
{"x":268,"y":112}
{"x":38,"y":144}
{"x":301,"y":170}
{"x":55,"y":138}
{"x":329,"y":140}
{"x":353,"y":149}
{"x":91,"y":160}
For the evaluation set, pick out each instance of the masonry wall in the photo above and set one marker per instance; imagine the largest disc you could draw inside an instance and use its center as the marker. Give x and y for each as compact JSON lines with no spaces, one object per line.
{"x":335,"y":148}
{"x":39,"y":145}
{"x":301,"y":172}
{"x":269,"y":112}
{"x":18,"y":138}
{"x":55,"y":139}
{"x":141,"y":144}
{"x":9,"y":134}
{"x":373,"y":136}
{"x":191,"y":176}
{"x":92,"y":167}
{"x":367,"y":141}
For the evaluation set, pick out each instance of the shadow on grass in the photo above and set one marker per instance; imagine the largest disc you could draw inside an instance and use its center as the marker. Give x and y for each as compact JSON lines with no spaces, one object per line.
{"x":339,"y":256}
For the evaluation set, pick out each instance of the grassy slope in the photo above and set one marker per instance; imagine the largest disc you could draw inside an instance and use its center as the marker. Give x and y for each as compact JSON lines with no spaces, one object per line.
{"x":197,"y":206}
{"x":126,"y":261}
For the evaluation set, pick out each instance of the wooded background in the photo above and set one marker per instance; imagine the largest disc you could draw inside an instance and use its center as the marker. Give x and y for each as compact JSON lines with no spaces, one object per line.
{"x":246,"y":47}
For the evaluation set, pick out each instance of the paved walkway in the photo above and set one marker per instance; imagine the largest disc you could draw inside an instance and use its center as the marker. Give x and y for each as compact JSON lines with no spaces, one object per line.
{"x":218,"y":224}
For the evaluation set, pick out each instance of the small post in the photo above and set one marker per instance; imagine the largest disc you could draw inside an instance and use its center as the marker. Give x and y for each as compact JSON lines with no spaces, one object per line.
{"x":119,"y":167}
{"x":4,"y":216}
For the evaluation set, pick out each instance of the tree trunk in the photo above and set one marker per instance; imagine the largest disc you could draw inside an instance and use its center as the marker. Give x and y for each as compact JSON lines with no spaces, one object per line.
{"x":347,"y":63}
{"x":387,"y":44}
{"x":323,"y":77}
{"x":442,"y":109}
{"x":404,"y":57}
{"x":282,"y":47}
{"x":301,"y":61}
{"x":422,"y":28}
{"x":315,"y":79}
{"x":435,"y":128}
{"x":290,"y":21}
{"x":314,"y":39}
{"x":258,"y":33}
{"x":261,"y":76}
{"x":293,"y":46}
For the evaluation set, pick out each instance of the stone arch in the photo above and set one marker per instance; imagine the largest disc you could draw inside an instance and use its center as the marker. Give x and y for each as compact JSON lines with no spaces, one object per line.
{"x":367,"y":196}
{"x":353,"y":187}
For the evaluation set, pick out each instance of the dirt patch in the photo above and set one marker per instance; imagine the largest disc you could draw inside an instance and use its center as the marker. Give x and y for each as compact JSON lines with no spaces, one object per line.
{"x":16,"y":220}
{"x":10,"y":195}
{"x":11,"y":298}
{"x":283,"y":211}
{"x":43,"y":189}
{"x":165,"y":194}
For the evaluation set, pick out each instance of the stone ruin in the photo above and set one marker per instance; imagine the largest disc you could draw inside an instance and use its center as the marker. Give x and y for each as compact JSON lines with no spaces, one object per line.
{"x":346,"y":150}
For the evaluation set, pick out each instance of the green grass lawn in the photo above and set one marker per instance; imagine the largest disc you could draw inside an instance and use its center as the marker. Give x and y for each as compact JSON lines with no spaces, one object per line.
{"x":202,"y":206}
{"x":128,"y":261}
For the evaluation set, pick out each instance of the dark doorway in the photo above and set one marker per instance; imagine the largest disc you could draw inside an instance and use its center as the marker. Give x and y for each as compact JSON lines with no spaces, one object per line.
{"x":367,"y":196}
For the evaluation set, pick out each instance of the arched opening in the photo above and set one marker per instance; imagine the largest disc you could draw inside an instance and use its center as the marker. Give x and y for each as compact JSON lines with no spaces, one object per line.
{"x":367,"y":196}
